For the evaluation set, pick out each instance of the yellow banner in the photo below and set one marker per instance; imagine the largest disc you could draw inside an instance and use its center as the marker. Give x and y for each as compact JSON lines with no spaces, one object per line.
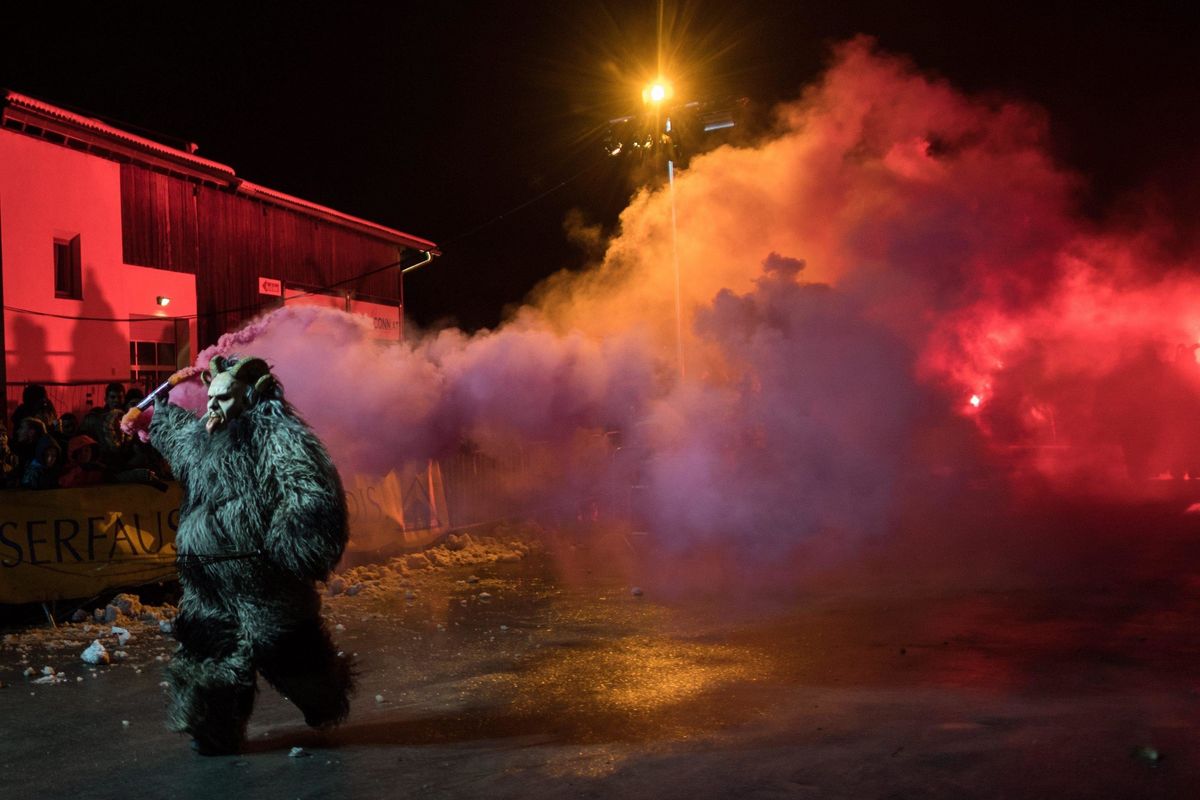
{"x":73,"y":543}
{"x":70,"y":543}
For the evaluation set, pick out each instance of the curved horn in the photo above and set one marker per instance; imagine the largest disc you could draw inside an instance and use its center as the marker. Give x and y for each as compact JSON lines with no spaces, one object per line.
{"x":250,"y":370}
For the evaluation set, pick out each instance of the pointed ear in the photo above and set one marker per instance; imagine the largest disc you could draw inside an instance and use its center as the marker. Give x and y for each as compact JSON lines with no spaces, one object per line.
{"x":206,"y":376}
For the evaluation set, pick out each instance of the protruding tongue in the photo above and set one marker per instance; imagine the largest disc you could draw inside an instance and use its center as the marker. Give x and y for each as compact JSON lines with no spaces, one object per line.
{"x":212,"y":422}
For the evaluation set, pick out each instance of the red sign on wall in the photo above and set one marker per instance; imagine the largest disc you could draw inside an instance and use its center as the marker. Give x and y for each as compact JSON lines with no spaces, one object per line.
{"x":271,"y":286}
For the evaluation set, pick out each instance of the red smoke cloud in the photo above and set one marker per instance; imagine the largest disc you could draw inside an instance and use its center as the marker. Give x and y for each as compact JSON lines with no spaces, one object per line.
{"x":896,"y":249}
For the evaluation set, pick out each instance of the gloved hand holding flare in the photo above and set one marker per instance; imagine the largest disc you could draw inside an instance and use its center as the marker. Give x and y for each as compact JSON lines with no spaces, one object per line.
{"x":128,"y":422}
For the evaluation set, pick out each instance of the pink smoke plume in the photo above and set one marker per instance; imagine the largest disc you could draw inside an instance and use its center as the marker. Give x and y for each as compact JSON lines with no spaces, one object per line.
{"x":379,"y":405}
{"x":895,"y":286}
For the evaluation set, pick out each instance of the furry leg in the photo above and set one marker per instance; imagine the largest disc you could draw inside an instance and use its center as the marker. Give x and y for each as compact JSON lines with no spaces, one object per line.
{"x":211,"y":684}
{"x":303,"y":665}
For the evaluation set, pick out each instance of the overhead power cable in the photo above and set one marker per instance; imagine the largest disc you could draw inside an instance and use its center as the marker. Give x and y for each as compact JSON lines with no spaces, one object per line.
{"x":522,"y":206}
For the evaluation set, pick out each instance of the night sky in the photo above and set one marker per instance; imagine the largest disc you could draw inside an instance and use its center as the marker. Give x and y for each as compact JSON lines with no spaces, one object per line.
{"x":437,"y":118}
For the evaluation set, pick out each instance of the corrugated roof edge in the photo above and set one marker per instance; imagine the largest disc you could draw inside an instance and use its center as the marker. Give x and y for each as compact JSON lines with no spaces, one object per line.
{"x":316,"y":209}
{"x":103,"y":129}
{"x":108,"y":131}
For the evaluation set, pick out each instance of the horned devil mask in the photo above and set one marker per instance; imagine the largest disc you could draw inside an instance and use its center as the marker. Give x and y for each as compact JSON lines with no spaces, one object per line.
{"x":233,"y":386}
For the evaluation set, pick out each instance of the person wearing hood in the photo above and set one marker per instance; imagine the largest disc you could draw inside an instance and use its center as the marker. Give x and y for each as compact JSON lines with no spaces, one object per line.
{"x":26,"y":435}
{"x":42,"y":471}
{"x":117,"y":452}
{"x":83,"y":465}
{"x":34,"y":402}
{"x":64,"y":429}
{"x":133,"y":396}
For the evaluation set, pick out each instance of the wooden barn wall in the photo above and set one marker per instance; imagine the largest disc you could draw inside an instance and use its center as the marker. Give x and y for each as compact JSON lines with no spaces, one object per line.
{"x":228,"y":241}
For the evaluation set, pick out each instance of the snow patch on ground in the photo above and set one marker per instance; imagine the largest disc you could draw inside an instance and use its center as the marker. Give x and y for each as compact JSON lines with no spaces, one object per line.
{"x":504,"y":544}
{"x":128,"y":632}
{"x":125,"y":631}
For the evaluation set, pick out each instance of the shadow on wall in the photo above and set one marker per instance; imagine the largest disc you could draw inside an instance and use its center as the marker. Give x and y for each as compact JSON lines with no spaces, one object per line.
{"x":26,"y":357}
{"x":98,"y":349}
{"x":96,"y":354}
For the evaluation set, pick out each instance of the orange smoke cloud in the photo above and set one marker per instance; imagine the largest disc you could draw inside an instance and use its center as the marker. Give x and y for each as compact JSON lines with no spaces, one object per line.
{"x":899,"y":263}
{"x":947,"y":221}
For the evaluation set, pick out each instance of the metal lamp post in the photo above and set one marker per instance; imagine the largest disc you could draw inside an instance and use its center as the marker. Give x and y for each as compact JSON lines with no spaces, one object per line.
{"x":655,"y":94}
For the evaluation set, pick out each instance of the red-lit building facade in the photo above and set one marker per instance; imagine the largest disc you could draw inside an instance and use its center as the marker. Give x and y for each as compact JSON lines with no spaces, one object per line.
{"x":98,"y":227}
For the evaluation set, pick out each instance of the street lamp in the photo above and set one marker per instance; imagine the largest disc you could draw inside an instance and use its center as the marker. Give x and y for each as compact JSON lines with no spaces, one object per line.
{"x":655,"y":94}
{"x":657,"y":91}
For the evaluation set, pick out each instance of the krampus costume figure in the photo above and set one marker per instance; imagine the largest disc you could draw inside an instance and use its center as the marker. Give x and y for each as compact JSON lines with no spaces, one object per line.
{"x":263,"y":518}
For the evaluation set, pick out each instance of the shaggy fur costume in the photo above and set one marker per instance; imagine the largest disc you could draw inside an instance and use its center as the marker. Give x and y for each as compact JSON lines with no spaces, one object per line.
{"x":262,"y":485}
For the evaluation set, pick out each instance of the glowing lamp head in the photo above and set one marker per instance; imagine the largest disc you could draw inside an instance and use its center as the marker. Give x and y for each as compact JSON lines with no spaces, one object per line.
{"x":162,"y":300}
{"x":976,"y":400}
{"x":657,"y":92}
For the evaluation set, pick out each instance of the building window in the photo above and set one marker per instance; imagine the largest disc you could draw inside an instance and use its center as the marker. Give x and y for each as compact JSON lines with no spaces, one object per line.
{"x":68,"y":269}
{"x":151,"y":363}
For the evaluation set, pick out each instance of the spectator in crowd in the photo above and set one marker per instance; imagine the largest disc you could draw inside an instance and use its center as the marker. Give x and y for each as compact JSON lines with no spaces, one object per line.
{"x":83,"y":465}
{"x":8,"y":462}
{"x":42,"y":471}
{"x":114,"y":396}
{"x":102,"y":423}
{"x":64,"y":428}
{"x":96,"y":421}
{"x":133,"y":396}
{"x":33,"y":398}
{"x":25,"y":439}
{"x":125,"y":460}
{"x":37,"y":407}
{"x":46,"y":413}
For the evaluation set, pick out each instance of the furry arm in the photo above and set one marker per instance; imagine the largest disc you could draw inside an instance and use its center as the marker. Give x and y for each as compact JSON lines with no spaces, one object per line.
{"x":308,"y":526}
{"x":171,"y":429}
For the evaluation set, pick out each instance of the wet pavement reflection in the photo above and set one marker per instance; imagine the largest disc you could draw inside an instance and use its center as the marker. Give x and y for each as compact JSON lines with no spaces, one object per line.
{"x":538,"y":679}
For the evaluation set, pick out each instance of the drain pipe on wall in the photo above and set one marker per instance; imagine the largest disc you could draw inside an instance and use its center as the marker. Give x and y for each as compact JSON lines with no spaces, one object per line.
{"x":411,"y":267}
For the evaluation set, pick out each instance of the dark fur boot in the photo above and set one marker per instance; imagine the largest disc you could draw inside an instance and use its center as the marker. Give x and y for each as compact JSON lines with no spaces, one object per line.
{"x":211,"y":701}
{"x":212,"y":694}
{"x":305,"y":667}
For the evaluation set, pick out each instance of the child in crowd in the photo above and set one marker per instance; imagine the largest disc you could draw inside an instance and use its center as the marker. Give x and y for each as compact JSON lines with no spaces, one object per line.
{"x":64,"y":429}
{"x":83,"y":465}
{"x":28,"y":433}
{"x":42,"y":471}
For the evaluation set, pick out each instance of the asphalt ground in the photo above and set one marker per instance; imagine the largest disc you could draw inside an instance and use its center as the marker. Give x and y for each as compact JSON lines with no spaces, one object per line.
{"x":553,"y":677}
